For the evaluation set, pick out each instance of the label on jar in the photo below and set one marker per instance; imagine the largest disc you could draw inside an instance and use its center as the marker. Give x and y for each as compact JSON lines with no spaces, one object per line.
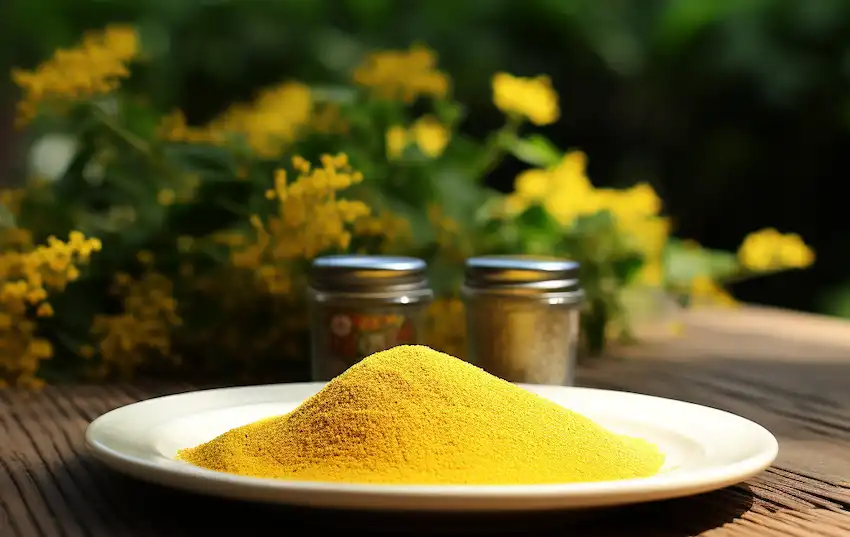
{"x":355,"y":335}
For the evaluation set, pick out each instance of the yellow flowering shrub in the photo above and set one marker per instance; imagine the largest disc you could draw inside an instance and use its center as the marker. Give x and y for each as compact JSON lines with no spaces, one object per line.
{"x":267,"y":124}
{"x":142,"y":330}
{"x":28,"y":274}
{"x":209,"y":229}
{"x":403,"y":74}
{"x":310,"y":219}
{"x":94,"y":67}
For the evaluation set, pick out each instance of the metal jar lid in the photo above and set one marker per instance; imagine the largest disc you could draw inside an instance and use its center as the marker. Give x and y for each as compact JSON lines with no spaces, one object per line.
{"x":368,"y":274}
{"x":523,"y":275}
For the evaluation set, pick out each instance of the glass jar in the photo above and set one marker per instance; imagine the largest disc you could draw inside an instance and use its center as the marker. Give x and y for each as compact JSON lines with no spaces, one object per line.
{"x":523,"y":317}
{"x":360,"y":305}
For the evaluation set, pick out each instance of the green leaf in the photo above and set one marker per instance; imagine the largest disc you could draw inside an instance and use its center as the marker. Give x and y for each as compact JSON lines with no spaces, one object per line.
{"x":7,"y":219}
{"x":539,"y":233}
{"x":684,"y":263}
{"x":627,"y":268}
{"x":536,"y":150}
{"x":536,"y":218}
{"x":212,"y":163}
{"x":334,"y":94}
{"x":681,"y":20}
{"x":456,"y":193}
{"x":450,"y":113}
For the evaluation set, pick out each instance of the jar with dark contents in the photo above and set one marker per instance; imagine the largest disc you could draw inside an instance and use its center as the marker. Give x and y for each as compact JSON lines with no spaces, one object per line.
{"x":362,"y":304}
{"x":523,"y":317}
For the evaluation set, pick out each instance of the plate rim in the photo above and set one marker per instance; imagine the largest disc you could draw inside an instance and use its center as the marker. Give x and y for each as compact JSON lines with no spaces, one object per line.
{"x":448,"y":497}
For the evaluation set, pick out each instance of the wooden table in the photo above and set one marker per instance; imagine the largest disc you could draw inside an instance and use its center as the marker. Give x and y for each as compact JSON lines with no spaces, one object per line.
{"x":790,"y":372}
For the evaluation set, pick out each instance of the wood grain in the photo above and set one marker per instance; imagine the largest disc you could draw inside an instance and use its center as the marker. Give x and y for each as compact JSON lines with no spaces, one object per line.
{"x":795,"y":383}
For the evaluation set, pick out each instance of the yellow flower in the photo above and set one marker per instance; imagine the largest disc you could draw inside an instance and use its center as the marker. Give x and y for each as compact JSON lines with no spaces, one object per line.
{"x":431,"y":136}
{"x":705,"y":291}
{"x":564,"y":190}
{"x":566,"y":193}
{"x":533,"y":185}
{"x":310,"y":219}
{"x":512,"y":205}
{"x":531,"y":98}
{"x":637,"y":202}
{"x":166,"y":197}
{"x":174,"y":128}
{"x":402,"y":74}
{"x":122,"y":41}
{"x":274,"y":120}
{"x":94,"y":67}
{"x":795,"y":253}
{"x":143,"y":329}
{"x":768,"y":249}
{"x":397,"y":139}
{"x":27,"y":274}
{"x":328,"y":119}
{"x":650,"y":236}
{"x":269,"y":124}
{"x":145,"y":257}
{"x":394,"y":231}
{"x":571,"y":194}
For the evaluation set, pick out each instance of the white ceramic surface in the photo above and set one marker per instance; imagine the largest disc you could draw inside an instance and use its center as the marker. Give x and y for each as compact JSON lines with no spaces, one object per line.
{"x":706,"y":449}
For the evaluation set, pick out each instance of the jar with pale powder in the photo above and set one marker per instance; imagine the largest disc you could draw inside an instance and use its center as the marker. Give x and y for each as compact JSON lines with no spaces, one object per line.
{"x":523,"y":317}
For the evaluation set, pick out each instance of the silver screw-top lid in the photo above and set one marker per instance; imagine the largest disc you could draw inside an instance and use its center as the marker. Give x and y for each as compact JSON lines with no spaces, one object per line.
{"x":368,"y":273}
{"x":522,"y":275}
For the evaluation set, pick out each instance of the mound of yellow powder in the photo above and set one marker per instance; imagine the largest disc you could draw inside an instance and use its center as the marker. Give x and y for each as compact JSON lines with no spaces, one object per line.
{"x":413,"y":415}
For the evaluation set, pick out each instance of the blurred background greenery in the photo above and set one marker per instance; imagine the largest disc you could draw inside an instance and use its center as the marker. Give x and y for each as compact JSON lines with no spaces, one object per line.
{"x":737,"y":111}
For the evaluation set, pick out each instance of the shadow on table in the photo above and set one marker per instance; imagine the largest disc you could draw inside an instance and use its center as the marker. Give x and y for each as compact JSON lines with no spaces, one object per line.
{"x":173,"y":512}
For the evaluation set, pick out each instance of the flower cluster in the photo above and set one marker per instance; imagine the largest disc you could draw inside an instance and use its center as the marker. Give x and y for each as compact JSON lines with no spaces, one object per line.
{"x":392,"y":231}
{"x":705,"y":291}
{"x":527,"y":98}
{"x":403,"y":74}
{"x":27,"y":275}
{"x":143,"y":328}
{"x":769,"y":250}
{"x":429,"y":135}
{"x":211,"y":228}
{"x":268,"y":124}
{"x":94,"y":67}
{"x":310,"y":219}
{"x":567,"y":193}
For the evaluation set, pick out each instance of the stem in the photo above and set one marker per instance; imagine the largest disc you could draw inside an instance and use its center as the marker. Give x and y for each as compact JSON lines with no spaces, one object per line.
{"x":137,"y":143}
{"x":233,"y":208}
{"x":493,"y":151}
{"x":752,"y":275}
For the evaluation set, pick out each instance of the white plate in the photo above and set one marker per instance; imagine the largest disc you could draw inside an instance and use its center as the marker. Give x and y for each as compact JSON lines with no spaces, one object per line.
{"x":706,"y":449}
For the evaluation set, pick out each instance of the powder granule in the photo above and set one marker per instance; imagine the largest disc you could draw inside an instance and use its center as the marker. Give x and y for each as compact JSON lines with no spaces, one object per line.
{"x":412,"y":415}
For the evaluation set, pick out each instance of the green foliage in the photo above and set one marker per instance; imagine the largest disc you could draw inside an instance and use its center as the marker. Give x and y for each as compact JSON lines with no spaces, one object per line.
{"x":534,"y":150}
{"x":203,"y":56}
{"x":684,"y":262}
